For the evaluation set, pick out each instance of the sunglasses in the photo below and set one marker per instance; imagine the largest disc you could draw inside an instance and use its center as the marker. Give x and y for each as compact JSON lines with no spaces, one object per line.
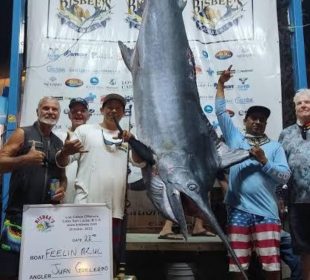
{"x":109,"y":141}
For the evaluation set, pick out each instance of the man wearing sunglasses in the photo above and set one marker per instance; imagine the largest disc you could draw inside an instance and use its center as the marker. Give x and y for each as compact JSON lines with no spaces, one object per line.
{"x":102,"y":154}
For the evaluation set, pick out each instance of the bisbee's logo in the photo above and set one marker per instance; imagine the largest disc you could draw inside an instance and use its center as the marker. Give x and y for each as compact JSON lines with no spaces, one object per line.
{"x":84,"y":15}
{"x":216,"y":16}
{"x":44,"y":223}
{"x":135,"y":10}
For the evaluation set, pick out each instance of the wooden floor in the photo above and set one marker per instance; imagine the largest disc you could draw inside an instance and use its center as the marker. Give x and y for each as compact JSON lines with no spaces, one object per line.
{"x":150,"y":242}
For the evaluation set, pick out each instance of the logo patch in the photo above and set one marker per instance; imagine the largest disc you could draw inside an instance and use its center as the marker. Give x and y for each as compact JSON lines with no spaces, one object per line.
{"x":44,"y":223}
{"x":214,"y":17}
{"x":135,"y":10}
{"x":84,"y":16}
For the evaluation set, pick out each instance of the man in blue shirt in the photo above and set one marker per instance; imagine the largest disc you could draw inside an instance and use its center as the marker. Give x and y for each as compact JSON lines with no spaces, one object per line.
{"x":253,"y":220}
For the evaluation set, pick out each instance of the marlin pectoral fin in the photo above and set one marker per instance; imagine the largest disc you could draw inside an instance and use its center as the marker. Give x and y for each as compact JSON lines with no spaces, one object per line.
{"x":229,"y":157}
{"x":157,"y":193}
{"x":126,"y":54}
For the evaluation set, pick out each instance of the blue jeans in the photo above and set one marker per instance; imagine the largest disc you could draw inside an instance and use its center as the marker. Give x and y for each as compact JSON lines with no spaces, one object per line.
{"x":287,"y":255}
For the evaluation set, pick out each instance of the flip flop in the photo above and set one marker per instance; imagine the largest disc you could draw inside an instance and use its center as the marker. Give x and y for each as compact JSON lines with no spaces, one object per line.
{"x":204,"y":233}
{"x":171,"y":236}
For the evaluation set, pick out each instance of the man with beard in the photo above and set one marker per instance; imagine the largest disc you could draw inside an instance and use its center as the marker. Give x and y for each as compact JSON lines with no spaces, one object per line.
{"x":30,"y":155}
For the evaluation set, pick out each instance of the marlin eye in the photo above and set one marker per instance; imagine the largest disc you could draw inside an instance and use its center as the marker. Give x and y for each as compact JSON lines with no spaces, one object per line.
{"x":192,"y":187}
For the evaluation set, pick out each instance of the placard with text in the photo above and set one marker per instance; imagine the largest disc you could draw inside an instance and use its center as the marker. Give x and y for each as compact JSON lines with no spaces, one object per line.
{"x":66,"y":241}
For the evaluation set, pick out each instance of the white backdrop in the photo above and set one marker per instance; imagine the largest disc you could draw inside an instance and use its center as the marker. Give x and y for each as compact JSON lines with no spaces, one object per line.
{"x":72,"y":51}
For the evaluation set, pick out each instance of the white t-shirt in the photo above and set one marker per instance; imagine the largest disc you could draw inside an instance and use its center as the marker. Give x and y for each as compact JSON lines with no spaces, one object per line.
{"x":101,"y":173}
{"x":71,"y":171}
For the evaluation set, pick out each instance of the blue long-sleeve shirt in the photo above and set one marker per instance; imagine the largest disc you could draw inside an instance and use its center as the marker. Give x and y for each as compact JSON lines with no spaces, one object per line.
{"x":252,"y":185}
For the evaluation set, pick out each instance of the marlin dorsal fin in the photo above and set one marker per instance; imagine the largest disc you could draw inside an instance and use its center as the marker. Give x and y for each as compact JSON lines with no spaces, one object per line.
{"x":127,"y":54}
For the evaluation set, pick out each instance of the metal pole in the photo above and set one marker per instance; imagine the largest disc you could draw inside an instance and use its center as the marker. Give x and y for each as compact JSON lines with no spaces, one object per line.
{"x":17,"y":50}
{"x":297,"y":44}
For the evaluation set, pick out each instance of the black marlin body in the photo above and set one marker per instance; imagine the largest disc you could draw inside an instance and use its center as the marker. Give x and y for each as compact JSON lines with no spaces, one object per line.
{"x":169,"y":117}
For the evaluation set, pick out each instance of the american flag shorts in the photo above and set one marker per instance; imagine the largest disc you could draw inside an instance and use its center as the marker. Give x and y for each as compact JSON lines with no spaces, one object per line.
{"x":248,"y":232}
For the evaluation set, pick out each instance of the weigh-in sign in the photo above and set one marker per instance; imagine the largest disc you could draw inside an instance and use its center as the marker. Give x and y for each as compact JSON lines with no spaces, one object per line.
{"x":66,"y":241}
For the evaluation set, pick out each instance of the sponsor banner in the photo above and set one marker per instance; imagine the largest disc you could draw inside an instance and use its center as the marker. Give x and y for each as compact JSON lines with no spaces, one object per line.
{"x":73,"y":51}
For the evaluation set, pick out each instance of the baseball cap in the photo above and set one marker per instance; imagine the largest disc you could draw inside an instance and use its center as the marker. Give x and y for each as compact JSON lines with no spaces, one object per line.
{"x":78,"y":100}
{"x":113,"y":96}
{"x":258,"y":109}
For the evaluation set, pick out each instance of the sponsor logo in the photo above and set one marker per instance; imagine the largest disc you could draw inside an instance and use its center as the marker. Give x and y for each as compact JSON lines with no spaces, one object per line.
{"x":55,"y":69}
{"x":52,"y":82}
{"x":69,"y":53}
{"x":135,"y":10}
{"x":73,"y":82}
{"x":95,"y":55}
{"x":223,"y":54}
{"x":94,"y":81}
{"x":242,"y":113}
{"x":227,"y":87}
{"x":215,"y":124}
{"x":230,"y":112}
{"x":44,"y":223}
{"x":53,"y":54}
{"x":244,"y":53}
{"x":90,"y":98}
{"x":78,"y":70}
{"x":208,"y":109}
{"x":236,"y":71}
{"x":244,"y":86}
{"x":244,"y":100}
{"x":214,"y":17}
{"x":126,"y":84}
{"x":205,"y":54}
{"x":84,"y":16}
{"x":112,"y":82}
{"x":210,"y":72}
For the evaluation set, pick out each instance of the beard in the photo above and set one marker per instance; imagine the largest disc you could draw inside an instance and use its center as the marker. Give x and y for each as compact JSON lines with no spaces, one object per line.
{"x":47,"y":120}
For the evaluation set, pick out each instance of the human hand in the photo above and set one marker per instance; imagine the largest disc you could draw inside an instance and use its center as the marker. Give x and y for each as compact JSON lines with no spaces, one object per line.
{"x":258,"y":153}
{"x":59,"y":194}
{"x":34,"y":156}
{"x":71,"y":147}
{"x":225,"y":76}
{"x":126,"y":135}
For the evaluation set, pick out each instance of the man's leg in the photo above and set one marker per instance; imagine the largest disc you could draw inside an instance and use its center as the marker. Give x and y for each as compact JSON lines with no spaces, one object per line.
{"x":239,"y":236}
{"x":266,"y":234}
{"x":287,"y":255}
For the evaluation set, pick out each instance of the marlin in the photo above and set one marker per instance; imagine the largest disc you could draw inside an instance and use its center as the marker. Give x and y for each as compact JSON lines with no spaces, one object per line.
{"x":169,"y":117}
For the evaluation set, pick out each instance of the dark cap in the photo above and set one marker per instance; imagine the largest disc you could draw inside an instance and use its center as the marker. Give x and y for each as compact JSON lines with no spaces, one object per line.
{"x":258,"y":109}
{"x":113,"y":96}
{"x":78,"y":100}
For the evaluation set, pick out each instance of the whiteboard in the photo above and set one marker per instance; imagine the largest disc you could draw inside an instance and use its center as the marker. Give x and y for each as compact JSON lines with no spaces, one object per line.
{"x":66,"y":241}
